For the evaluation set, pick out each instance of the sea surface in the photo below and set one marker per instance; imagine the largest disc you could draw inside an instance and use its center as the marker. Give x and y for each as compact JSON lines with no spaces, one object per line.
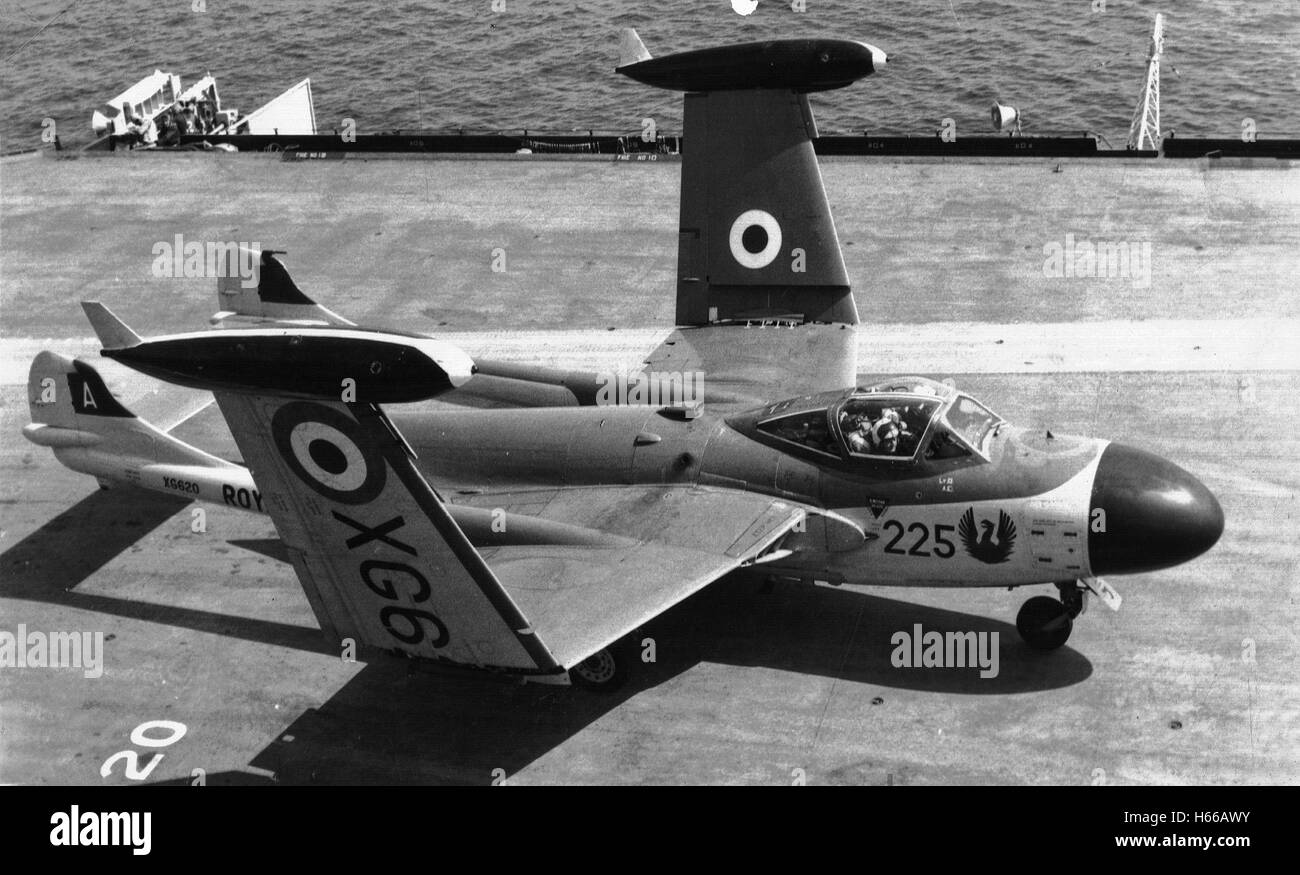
{"x":546,"y":65}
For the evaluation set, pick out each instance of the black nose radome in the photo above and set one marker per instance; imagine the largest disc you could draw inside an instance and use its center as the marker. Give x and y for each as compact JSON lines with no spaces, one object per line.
{"x":1147,"y":514}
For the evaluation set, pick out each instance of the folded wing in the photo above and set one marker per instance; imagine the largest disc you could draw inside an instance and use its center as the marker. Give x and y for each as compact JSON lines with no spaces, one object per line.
{"x":384,"y":562}
{"x":380,"y":558}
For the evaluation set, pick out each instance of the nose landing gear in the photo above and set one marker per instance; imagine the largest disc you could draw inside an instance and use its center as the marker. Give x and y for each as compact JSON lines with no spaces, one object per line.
{"x":1045,"y":623}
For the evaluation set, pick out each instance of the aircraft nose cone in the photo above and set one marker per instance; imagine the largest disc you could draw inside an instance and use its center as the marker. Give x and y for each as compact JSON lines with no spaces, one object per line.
{"x":1156,"y":514}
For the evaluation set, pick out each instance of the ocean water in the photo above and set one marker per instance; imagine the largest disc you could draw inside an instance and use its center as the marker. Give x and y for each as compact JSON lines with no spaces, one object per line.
{"x":547,"y":65}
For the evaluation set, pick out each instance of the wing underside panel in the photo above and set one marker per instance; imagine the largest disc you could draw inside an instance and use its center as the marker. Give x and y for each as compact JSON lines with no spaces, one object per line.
{"x":674,"y":541}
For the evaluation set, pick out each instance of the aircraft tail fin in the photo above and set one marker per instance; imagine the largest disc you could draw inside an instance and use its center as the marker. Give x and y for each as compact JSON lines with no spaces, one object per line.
{"x":259,"y":289}
{"x":74,"y":413}
{"x":112,"y":332}
{"x":68,"y":393}
{"x":630,"y":48}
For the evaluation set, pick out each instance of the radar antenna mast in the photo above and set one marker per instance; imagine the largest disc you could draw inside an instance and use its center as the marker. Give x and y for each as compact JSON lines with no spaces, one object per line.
{"x":1144,"y":132}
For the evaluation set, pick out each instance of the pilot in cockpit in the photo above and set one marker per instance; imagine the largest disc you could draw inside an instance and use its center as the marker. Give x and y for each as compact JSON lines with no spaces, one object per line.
{"x":857,"y":427}
{"x":881,"y":436}
{"x":884,"y":437}
{"x":887,"y":433}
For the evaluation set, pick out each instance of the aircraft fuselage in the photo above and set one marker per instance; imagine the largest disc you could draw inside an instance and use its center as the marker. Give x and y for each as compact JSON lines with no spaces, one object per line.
{"x":1038,"y":509}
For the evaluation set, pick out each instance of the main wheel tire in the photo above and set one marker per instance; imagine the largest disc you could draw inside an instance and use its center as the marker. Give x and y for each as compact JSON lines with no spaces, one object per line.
{"x":603,"y":672}
{"x":1044,"y":623}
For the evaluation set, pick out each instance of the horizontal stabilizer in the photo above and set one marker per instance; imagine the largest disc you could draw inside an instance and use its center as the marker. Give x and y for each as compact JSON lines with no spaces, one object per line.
{"x":112,"y":332}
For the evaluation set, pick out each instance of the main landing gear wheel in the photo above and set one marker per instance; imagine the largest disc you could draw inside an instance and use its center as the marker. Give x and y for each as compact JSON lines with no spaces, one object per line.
{"x":603,"y":672}
{"x":1044,"y":623}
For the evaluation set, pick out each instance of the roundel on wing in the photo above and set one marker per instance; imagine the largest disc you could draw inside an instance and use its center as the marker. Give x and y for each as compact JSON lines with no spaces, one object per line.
{"x":328,"y":452}
{"x":755,"y":239}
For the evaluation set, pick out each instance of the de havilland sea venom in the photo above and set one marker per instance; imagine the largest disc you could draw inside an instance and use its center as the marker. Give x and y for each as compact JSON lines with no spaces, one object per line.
{"x":530,"y":536}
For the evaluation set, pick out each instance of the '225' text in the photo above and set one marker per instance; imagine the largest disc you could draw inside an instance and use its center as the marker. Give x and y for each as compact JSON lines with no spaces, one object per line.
{"x":943,"y":548}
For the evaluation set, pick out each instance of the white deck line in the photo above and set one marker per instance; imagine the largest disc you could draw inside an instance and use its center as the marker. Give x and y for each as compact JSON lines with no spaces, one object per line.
{"x":1157,"y":345}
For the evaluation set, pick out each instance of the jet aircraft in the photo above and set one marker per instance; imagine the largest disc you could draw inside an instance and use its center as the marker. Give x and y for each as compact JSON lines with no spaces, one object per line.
{"x":531,"y":536}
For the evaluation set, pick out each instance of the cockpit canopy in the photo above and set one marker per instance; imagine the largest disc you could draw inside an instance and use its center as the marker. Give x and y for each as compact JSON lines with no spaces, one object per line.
{"x":900,"y":420}
{"x":885,"y":424}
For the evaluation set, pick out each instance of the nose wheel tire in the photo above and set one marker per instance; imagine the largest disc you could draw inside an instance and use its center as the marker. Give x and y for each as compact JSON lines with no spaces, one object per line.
{"x":1044,"y":623}
{"x":602,"y":672}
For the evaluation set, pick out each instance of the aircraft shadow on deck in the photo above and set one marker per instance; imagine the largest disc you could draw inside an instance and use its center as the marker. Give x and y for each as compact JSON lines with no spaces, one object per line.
{"x":847,"y":634}
{"x":50,"y":563}
{"x":396,"y":722}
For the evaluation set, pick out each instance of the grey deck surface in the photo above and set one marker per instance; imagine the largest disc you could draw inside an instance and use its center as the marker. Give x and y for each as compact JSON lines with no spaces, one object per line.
{"x":210,"y":631}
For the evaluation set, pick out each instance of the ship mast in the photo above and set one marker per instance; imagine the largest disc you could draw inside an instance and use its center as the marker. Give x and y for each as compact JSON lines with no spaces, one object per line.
{"x":1145,"y":128}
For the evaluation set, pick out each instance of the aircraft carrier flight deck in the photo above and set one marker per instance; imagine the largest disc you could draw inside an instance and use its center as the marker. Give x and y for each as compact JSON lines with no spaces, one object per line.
{"x":1189,"y":351}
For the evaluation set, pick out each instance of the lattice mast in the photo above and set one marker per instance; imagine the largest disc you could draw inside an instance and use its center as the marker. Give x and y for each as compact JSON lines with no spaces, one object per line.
{"x":1145,"y":128}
